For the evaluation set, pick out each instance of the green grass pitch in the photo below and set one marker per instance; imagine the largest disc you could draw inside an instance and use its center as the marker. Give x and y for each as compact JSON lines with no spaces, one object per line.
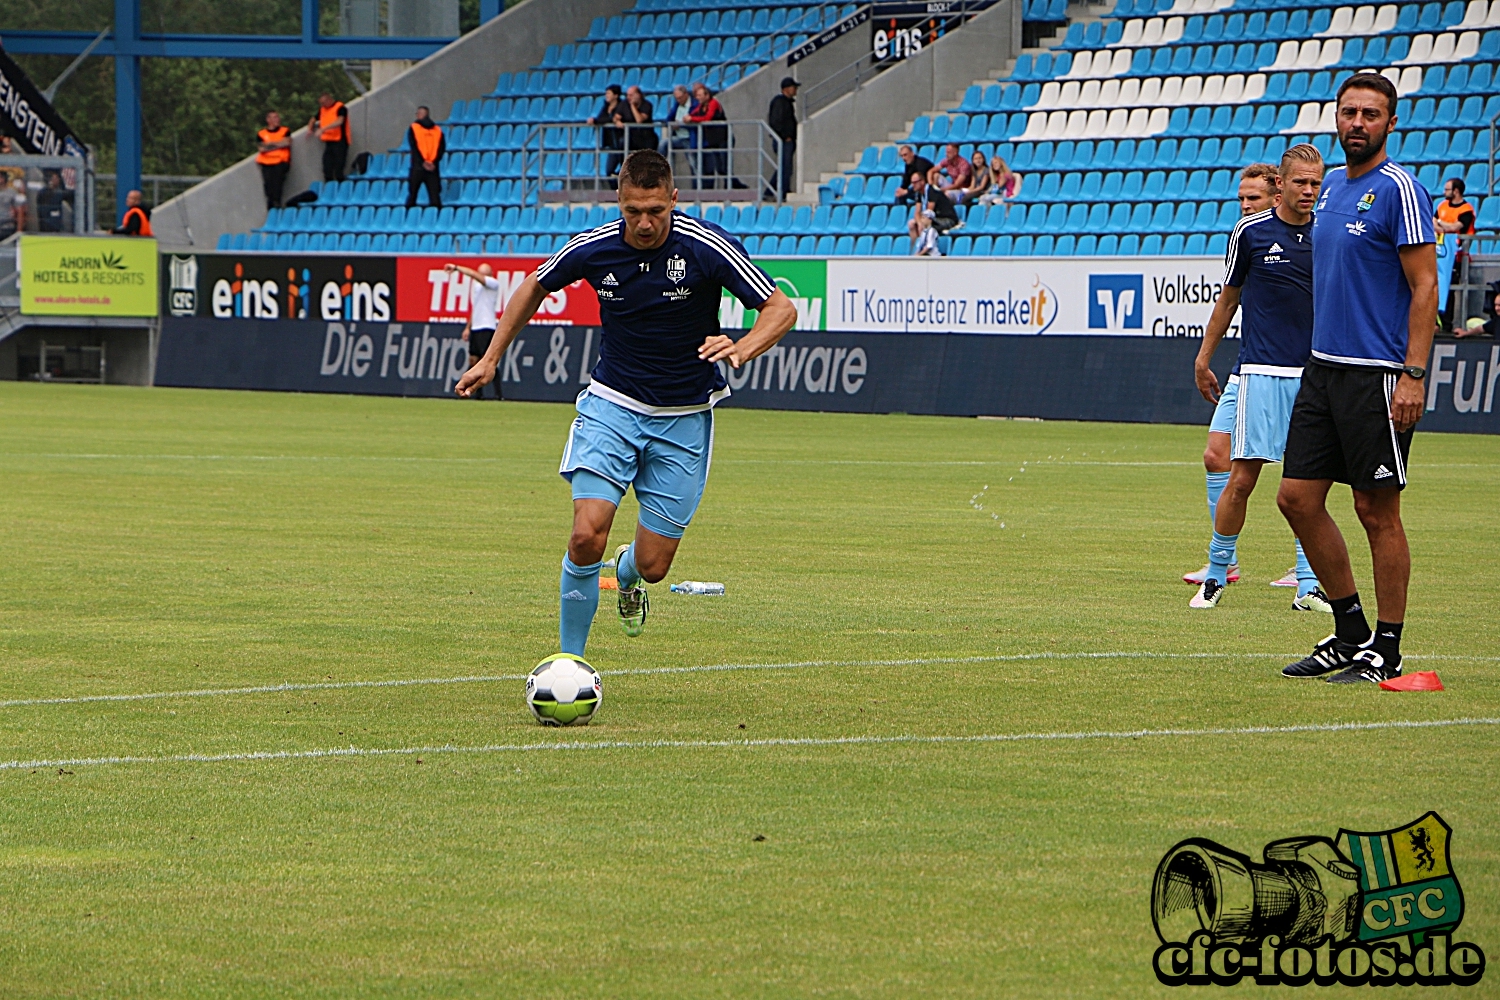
{"x":168,"y":541}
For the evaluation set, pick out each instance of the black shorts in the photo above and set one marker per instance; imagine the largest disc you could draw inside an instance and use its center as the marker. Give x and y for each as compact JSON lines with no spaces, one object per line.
{"x":479,"y":341}
{"x":1342,"y":430}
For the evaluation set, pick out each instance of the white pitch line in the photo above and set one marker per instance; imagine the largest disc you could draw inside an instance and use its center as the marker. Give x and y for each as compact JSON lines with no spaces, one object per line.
{"x":352,"y":751}
{"x":458,"y":459}
{"x":700,"y":668}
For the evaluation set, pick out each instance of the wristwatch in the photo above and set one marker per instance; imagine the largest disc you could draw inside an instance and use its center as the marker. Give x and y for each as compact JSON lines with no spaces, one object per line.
{"x":1417,"y":373}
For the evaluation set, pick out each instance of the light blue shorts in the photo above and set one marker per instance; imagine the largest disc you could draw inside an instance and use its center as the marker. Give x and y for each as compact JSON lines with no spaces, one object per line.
{"x":1223,"y":421}
{"x":666,"y":459}
{"x":1263,"y":414}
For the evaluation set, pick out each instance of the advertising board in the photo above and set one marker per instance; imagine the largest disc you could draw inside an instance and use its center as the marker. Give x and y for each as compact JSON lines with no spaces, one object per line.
{"x":87,"y":275}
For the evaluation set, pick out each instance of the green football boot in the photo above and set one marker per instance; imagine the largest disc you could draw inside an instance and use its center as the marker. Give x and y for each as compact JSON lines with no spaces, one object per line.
{"x":634,"y":603}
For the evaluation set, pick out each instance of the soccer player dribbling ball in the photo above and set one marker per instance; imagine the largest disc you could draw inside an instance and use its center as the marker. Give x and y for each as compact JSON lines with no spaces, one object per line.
{"x":646,"y":419}
{"x":1374,"y":314}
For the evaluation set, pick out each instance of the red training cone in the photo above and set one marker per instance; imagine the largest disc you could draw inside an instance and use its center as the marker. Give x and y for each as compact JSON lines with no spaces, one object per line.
{"x":1422,"y":680}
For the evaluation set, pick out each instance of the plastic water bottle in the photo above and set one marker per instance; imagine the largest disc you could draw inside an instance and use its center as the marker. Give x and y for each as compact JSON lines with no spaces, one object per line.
{"x":698,"y":587}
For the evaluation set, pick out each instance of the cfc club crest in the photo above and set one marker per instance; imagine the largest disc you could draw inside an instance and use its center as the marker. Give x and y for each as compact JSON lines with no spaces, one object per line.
{"x":1364,"y":908}
{"x":676,"y":268}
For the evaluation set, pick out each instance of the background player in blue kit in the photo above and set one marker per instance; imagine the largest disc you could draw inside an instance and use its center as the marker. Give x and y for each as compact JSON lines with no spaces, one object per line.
{"x":1269,"y":278}
{"x":1258,"y":187}
{"x":646,"y":419}
{"x":1375,"y":307}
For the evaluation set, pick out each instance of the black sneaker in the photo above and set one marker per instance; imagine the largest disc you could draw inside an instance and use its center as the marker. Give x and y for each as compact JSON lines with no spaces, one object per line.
{"x":1368,"y":666}
{"x":1327,"y":656}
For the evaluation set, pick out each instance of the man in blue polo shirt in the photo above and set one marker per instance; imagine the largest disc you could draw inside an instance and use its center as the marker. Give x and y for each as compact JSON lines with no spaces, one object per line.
{"x":1269,"y":278}
{"x":646,"y":419}
{"x":1374,"y":314}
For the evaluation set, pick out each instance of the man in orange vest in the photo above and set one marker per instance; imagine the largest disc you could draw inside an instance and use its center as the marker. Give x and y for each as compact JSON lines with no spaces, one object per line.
{"x":274,"y":143}
{"x":137,"y":220}
{"x":331,"y":124}
{"x":427,"y":145}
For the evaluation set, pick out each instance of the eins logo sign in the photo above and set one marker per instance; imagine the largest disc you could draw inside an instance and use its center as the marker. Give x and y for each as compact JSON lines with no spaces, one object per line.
{"x":349,"y":299}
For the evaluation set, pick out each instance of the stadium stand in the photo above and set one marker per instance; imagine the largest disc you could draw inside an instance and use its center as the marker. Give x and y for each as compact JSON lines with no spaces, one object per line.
{"x":1128,"y":131}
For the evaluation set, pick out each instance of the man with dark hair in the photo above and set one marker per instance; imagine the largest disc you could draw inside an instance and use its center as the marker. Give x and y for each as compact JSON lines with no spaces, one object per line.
{"x":427,"y":144}
{"x":1268,"y":281}
{"x":1374,"y":311}
{"x":50,"y":217}
{"x":932,"y":210}
{"x":331,"y":123}
{"x":782,"y":118}
{"x":611,"y":138}
{"x":1259,"y":184}
{"x":646,"y":418}
{"x":1454,"y":220}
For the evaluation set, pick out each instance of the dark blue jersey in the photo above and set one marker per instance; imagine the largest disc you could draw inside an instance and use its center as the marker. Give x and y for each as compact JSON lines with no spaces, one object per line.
{"x":1271,"y":262}
{"x":1364,"y":301}
{"x":656,"y":307}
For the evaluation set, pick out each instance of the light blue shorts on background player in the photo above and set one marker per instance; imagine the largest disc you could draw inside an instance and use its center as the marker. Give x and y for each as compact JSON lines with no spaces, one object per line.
{"x":1263,"y":413}
{"x":1223,"y":421}
{"x":666,"y":459}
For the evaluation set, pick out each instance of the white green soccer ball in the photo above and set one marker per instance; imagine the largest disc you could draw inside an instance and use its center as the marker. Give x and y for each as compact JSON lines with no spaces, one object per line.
{"x":564,"y":690}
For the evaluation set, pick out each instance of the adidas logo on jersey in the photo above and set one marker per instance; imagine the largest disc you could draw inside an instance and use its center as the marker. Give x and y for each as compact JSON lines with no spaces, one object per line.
{"x":1276,"y":248}
{"x":609,"y":279}
{"x":1383,"y":473}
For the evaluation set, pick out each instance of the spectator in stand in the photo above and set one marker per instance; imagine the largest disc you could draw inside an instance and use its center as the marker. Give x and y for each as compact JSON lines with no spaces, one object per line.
{"x":1453,"y":217}
{"x":50,"y":202}
{"x":137,"y":221}
{"x":783,"y":121}
{"x":932,"y":210}
{"x":1454,"y":213}
{"x":331,"y":124}
{"x":484,"y":301}
{"x":953,"y":173}
{"x":1005,"y":184}
{"x":715,"y":138}
{"x":427,"y":143}
{"x":979,"y":180}
{"x":274,"y":154}
{"x":915,"y":166}
{"x":12,"y":208}
{"x":636,"y":116}
{"x":611,"y":138}
{"x":674,"y":136}
{"x":1480,"y":326}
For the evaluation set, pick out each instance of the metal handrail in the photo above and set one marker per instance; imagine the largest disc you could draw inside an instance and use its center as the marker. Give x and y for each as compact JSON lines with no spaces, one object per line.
{"x":716,"y":164}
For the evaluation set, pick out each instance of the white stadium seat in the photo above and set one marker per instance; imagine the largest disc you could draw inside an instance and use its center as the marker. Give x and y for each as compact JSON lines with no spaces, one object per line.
{"x":1119,"y":119}
{"x":1159,"y":121}
{"x":1051,"y":91}
{"x":1139,"y":125}
{"x":1307,"y":118}
{"x":1333,"y":51}
{"x":1467,"y":47}
{"x":1307,"y":55}
{"x":1493,"y":21}
{"x":1134,"y":29}
{"x":1057,"y":125}
{"x":1123,"y":57}
{"x":1326,"y":121}
{"x":1036,"y":127}
{"x":1172,"y":31}
{"x":1474,"y":16}
{"x":1286,"y":56}
{"x":1385,"y":19}
{"x":1343,"y":20}
{"x":1098,"y":121}
{"x":1255,"y":88}
{"x":1068,"y":96}
{"x":1419,"y":53}
{"x":1152,"y":35}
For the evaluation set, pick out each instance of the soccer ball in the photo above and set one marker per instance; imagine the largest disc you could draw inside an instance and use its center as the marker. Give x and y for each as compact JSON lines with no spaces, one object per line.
{"x":564,"y":690}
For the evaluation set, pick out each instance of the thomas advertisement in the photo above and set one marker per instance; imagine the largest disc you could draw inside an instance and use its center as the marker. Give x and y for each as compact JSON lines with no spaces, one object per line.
{"x":426,"y":293}
{"x":1137,"y":296}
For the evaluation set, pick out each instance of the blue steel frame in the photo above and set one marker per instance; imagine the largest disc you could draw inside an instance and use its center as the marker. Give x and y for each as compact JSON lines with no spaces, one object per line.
{"x":127,"y":45}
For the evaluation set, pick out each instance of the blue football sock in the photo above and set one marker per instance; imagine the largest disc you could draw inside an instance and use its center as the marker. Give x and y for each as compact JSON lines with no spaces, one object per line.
{"x":1216,"y":481}
{"x":579,"y":599}
{"x":1307,"y":580}
{"x":625,"y":571}
{"x":1220,"y":554}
